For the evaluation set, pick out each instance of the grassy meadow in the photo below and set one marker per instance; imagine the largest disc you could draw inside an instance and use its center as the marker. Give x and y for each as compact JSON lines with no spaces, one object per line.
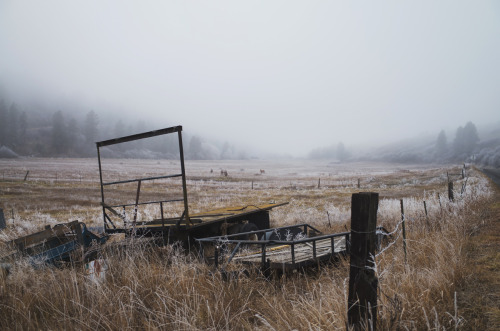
{"x":154,"y":288}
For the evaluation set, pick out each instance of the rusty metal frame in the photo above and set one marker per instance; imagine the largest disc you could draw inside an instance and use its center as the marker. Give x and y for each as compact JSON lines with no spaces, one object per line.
{"x":219,"y":241}
{"x":145,"y":135}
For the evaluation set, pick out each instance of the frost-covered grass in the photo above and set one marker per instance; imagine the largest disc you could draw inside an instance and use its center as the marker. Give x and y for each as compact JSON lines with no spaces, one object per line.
{"x":163,"y":288}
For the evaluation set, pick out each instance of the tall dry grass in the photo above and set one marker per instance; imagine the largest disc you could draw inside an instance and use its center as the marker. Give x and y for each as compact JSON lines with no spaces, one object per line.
{"x":147,"y":287}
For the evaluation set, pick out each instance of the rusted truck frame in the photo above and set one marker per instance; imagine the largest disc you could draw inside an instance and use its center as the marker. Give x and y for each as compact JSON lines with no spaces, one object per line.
{"x":186,"y":227}
{"x":55,"y":245}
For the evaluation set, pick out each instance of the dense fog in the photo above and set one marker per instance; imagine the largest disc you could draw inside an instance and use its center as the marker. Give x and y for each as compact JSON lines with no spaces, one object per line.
{"x":336,"y":80}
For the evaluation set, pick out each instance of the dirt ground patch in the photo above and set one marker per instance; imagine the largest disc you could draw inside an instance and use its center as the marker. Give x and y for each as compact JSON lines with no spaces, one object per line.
{"x":480,"y":297}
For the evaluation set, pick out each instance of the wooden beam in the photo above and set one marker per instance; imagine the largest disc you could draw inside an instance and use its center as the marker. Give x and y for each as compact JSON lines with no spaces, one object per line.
{"x":363,"y":283}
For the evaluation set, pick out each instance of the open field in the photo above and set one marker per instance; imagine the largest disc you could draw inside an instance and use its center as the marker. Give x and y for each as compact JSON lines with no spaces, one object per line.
{"x":161,"y":288}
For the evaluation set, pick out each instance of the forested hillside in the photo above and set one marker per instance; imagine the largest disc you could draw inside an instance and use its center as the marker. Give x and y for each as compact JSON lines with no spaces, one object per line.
{"x":466,"y":144}
{"x":66,"y":133}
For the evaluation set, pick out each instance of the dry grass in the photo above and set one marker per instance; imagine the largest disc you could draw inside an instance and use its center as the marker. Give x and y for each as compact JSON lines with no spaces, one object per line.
{"x":164,"y":288}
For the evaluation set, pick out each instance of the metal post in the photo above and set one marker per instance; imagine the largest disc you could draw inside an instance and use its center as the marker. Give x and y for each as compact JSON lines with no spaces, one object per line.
{"x":403,"y":221}
{"x":162,"y":224}
{"x":102,"y":189}
{"x":216,"y":257}
{"x":263,"y":255}
{"x":136,"y":202}
{"x":183,"y":171}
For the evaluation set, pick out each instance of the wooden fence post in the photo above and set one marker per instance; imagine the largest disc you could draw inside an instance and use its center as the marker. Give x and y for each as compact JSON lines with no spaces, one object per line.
{"x":426,"y":216}
{"x":363,"y":283}
{"x":404,"y":227}
{"x":3,"y":225}
{"x":450,"y":191}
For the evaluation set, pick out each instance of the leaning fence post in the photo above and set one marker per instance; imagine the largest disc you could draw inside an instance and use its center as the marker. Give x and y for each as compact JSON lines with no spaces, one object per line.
{"x":464,"y":185}
{"x":363,"y":283}
{"x":426,"y":215}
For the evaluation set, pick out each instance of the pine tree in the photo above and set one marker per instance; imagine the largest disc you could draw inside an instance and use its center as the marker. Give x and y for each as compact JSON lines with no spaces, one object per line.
{"x":471,"y":138}
{"x":59,"y":142}
{"x":466,"y":140}
{"x":342,"y":153}
{"x":195,"y":148}
{"x":441,"y":144}
{"x":23,"y":129}
{"x":91,"y":130}
{"x":3,"y":123}
{"x":458,"y":142}
{"x":73,"y":137}
{"x":12,"y":129}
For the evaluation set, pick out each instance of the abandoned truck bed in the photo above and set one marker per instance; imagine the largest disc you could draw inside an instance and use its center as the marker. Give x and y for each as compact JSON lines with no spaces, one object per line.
{"x":284,"y":248}
{"x":222,"y":221}
{"x":302,"y":254}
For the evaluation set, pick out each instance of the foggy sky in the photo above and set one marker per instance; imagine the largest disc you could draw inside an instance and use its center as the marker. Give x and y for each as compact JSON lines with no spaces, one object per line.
{"x":285,"y":76}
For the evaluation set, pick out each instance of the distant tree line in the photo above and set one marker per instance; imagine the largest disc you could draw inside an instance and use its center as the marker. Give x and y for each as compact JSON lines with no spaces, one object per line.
{"x":62,"y":134}
{"x":467,"y":146}
{"x":36,"y":134}
{"x":333,"y":152}
{"x":463,"y":146}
